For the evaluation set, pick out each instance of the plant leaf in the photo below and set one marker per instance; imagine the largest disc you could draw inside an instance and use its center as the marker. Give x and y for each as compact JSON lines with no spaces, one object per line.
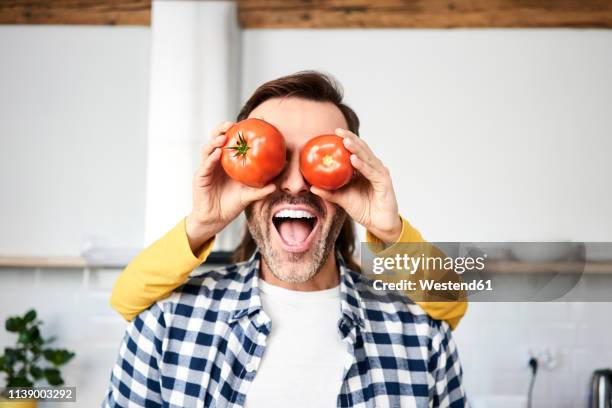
{"x":10,"y":356}
{"x":36,"y":352}
{"x":14,"y":324}
{"x":24,"y":337}
{"x":53,"y":377}
{"x":29,"y":316}
{"x":36,"y":372}
{"x":19,"y":382}
{"x":35,"y":337}
{"x":58,"y":356}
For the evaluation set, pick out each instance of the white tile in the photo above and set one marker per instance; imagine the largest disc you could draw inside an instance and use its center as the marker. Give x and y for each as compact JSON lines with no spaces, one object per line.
{"x":103,"y":278}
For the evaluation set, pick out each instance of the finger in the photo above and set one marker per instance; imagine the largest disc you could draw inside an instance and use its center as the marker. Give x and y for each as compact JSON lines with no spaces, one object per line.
{"x":208,"y":148}
{"x":360,"y":151}
{"x":374,"y":175}
{"x":220,"y":129}
{"x":210,"y":164}
{"x":348,"y":135}
{"x":204,"y":175}
{"x":345,"y":133}
{"x":250,"y":194}
{"x":355,"y":144}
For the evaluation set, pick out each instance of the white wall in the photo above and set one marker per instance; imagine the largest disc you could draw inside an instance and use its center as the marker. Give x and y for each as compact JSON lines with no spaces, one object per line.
{"x":73,"y":117}
{"x":504,"y":131}
{"x":489,"y":134}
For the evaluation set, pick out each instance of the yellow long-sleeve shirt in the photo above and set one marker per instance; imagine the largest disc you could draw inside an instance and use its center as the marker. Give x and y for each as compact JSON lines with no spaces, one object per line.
{"x":167,"y":263}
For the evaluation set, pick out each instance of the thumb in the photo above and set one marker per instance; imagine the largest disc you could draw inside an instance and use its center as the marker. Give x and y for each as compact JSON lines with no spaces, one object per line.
{"x":250,"y":194}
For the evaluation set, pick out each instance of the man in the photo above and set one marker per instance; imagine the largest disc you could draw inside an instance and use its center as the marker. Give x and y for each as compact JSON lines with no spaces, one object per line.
{"x":293,"y":325}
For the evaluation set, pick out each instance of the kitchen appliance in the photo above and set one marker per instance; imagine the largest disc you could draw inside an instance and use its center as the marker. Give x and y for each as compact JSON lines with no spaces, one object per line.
{"x":601,"y":389}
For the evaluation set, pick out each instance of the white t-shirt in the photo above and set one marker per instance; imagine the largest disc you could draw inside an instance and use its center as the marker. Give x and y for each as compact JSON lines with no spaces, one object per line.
{"x":304,"y":359}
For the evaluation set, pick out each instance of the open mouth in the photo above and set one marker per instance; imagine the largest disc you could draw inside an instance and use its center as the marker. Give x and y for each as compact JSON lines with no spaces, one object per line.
{"x":295,"y":227}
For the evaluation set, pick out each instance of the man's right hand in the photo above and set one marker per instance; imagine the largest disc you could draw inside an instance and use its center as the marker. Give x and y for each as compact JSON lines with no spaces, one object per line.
{"x":217,"y":199}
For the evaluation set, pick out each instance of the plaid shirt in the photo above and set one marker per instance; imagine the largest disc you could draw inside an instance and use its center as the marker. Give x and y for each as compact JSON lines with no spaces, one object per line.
{"x":202,"y":347}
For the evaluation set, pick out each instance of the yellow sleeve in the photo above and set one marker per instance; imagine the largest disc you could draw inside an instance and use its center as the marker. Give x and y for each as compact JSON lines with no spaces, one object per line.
{"x":167,"y":263}
{"x":451,"y":312}
{"x":156,"y":272}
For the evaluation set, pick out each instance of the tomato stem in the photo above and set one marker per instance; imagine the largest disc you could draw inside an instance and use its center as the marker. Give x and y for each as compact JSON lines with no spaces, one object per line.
{"x":241,"y":147}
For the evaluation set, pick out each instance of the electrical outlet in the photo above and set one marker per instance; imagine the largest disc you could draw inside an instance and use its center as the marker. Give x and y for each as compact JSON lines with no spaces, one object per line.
{"x":546,"y":357}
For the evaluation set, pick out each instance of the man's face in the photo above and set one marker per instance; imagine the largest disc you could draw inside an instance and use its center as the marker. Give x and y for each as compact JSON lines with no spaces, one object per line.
{"x":294,"y":229}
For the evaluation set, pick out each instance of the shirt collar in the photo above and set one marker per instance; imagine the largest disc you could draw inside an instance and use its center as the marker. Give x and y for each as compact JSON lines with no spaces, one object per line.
{"x":246,"y":284}
{"x":249,"y":300}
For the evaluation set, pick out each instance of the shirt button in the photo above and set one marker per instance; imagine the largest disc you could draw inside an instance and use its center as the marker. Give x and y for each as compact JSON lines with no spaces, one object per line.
{"x":251,"y":366}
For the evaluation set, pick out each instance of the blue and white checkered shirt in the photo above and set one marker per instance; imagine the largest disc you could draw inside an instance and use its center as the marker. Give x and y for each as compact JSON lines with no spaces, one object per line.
{"x":202,"y":347}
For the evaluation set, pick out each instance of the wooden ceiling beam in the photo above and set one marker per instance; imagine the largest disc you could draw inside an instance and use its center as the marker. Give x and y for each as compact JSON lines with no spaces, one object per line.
{"x":90,"y":12}
{"x":332,"y":13}
{"x":424,"y":13}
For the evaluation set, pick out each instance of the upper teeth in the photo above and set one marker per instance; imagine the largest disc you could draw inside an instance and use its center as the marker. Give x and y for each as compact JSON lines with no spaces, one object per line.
{"x":294,"y":214}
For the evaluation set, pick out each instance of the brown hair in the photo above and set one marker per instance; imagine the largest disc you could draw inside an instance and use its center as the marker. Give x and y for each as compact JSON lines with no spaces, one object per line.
{"x":314,"y":86}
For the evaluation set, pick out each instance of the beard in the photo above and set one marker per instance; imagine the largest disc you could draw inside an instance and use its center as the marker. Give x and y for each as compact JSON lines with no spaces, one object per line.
{"x":292,"y":267}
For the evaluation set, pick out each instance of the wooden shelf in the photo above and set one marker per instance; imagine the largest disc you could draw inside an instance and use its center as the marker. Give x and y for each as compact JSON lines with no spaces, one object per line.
{"x":77,"y":262}
{"x":43,"y":262}
{"x":54,"y":262}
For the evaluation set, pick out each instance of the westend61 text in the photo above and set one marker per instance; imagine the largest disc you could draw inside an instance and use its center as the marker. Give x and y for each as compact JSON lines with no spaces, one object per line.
{"x":430,"y":284}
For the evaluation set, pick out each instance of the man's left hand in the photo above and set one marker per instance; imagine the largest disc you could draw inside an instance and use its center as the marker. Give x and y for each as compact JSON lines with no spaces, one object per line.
{"x":369,"y":199}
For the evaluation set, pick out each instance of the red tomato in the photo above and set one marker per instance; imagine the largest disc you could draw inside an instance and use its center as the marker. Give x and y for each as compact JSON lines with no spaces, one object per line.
{"x":254,"y":153}
{"x":325,"y":162}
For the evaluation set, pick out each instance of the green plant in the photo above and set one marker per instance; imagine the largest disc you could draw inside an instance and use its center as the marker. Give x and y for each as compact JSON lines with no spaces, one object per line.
{"x":30,"y":361}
